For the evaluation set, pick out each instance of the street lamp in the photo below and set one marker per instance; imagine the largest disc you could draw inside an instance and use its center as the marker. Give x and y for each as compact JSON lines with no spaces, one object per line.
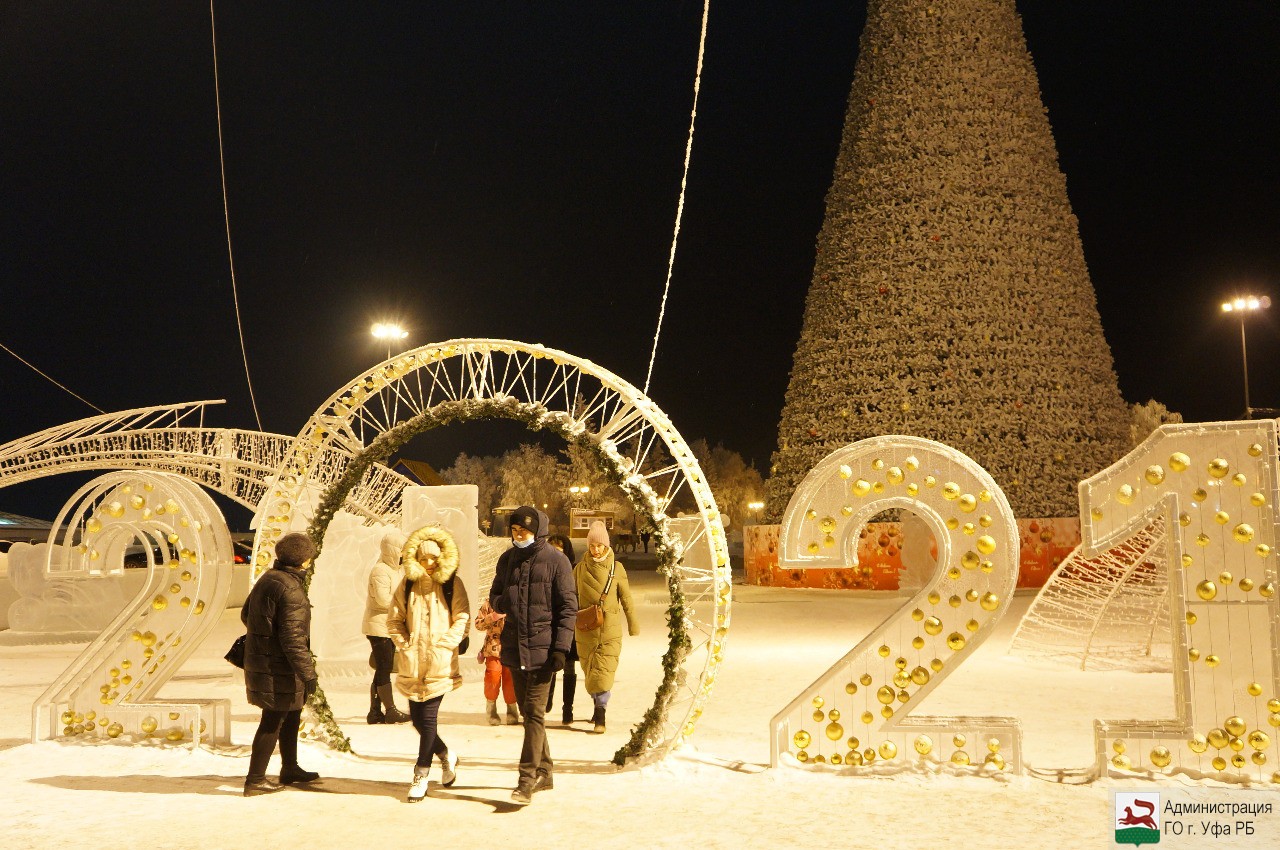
{"x":1241,"y":305}
{"x":755,"y":508}
{"x":388,"y":332}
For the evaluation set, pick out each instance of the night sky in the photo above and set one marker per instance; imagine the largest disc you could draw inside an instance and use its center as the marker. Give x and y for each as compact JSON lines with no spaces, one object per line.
{"x":511,"y":170}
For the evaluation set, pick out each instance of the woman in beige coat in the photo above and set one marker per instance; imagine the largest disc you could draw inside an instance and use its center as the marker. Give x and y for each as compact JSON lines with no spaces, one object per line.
{"x":600,"y":648}
{"x":384,"y":578}
{"x":427,"y":620}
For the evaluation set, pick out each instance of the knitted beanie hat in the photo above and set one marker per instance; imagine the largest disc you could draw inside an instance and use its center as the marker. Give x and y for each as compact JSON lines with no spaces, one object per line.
{"x":598,"y":534}
{"x":294,"y":550}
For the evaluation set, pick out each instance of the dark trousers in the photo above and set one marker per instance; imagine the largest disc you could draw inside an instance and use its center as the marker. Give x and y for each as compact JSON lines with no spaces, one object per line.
{"x":532,"y":688}
{"x":275,"y":726}
{"x":425,"y":716}
{"x":384,"y":656}
{"x":570,"y":688}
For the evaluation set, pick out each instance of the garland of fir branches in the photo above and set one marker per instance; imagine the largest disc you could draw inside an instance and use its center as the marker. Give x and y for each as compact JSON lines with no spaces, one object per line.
{"x":535,"y":417}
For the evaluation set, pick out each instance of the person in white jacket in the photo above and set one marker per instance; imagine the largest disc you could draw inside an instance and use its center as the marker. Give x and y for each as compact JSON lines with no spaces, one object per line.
{"x":427,"y":620}
{"x":384,"y":578}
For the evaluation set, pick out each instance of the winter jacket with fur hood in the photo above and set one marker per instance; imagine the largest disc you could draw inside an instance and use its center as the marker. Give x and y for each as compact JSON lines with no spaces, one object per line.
{"x":277,"y":647}
{"x":425,"y":629}
{"x":385,"y":576}
{"x":534,"y":588}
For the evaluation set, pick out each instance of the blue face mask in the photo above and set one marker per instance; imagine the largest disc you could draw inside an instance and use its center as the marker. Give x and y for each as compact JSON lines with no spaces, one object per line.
{"x":523,"y":544}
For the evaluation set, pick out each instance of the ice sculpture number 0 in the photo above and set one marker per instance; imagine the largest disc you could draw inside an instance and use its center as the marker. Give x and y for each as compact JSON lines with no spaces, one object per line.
{"x":108,"y":691}
{"x":1215,"y":486}
{"x":860,"y":710}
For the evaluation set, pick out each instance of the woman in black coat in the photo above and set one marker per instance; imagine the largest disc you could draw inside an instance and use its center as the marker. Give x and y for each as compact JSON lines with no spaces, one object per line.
{"x":279,"y":674}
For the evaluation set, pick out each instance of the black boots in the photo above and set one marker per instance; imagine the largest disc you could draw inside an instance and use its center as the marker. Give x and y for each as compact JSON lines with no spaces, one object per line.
{"x":292,"y":774}
{"x":375,"y":708}
{"x":389,"y":713}
{"x":597,"y":720}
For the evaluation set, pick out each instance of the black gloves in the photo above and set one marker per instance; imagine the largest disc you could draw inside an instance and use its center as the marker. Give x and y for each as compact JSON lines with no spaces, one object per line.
{"x":309,"y":688}
{"x":556,"y":661}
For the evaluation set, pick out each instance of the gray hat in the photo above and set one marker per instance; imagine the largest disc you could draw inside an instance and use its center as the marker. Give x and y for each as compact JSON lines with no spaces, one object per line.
{"x":294,"y":550}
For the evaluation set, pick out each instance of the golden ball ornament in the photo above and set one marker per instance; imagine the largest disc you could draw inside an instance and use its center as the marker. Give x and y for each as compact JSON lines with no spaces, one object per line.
{"x":853,"y":758}
{"x":1263,"y":550}
{"x":971,"y":595}
{"x":1219,"y":763}
{"x":950,"y":491}
{"x":93,"y":525}
{"x":802,"y":757}
{"x":912,"y":463}
{"x":934,"y":597}
{"x":1154,"y":474}
{"x":1212,"y":660}
{"x":1257,"y":500}
{"x":834,"y":714}
{"x":1193,"y":654}
{"x":986,"y":566}
{"x":867,"y":717}
{"x":115,"y":730}
{"x":989,"y":601}
{"x":811,"y":514}
{"x":930,"y":481}
{"x":970,"y":560}
{"x":894,"y":475}
{"x":888,"y":750}
{"x":1179,"y":462}
{"x":1184,"y":519}
{"x":920,"y":676}
{"x":1226,"y":578}
{"x":953,"y":573}
{"x":846,"y":510}
{"x":1199,"y":494}
{"x":877,"y":464}
{"x":1246,"y":584}
{"x":913,"y":489}
{"x":1124,"y":495}
{"x":1274,"y":719}
{"x":1202,"y":539}
{"x":1198,"y":743}
{"x":1187,"y":561}
{"x":1234,"y":725}
{"x":836,"y":758}
{"x":160,"y":603}
{"x":818,"y":716}
{"x":827,"y":525}
{"x":917,"y":642}
{"x":986,"y":544}
{"x":1242,"y":533}
{"x":853,"y":743}
{"x":936,"y":665}
{"x":1259,"y":740}
{"x":1161,"y":757}
{"x":901,"y":679}
{"x":923,"y":745}
{"x":1122,"y":762}
{"x":865,"y":679}
{"x":1218,"y":467}
{"x":1118,"y":745}
{"x":137,"y":502}
{"x":851,"y":688}
{"x":1222,"y":517}
{"x":126,"y":679}
{"x":1273,"y":704}
{"x":818,"y":702}
{"x":115,"y":510}
{"x":1238,"y":760}
{"x":903,"y":696}
{"x":955,"y":601}
{"x":68,"y":718}
{"x":1206,"y":590}
{"x":885,"y":694}
{"x":1255,"y":450}
{"x":835,"y":731}
{"x":1217,"y":738}
{"x":861,"y":487}
{"x":995,"y":760}
{"x":1095,"y":514}
{"x":917,"y":615}
{"x":955,"y":641}
{"x":1258,"y":758}
{"x":952,"y":523}
{"x":174,"y":735}
{"x":972,"y":625}
{"x":813,"y":547}
{"x":1239,"y":479}
{"x":802,"y":739}
{"x":959,"y":740}
{"x":868,"y":755}
{"x":884,"y":651}
{"x":1254,"y":689}
{"x":985,"y":520}
{"x":967,"y":503}
{"x":175,"y":588}
{"x":845,"y":472}
{"x":960,"y":757}
{"x":148,"y":724}
{"x":933,"y":626}
{"x":886,"y":712}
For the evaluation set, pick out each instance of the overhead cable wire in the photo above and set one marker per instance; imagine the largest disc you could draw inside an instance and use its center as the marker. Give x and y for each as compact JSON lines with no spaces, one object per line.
{"x":49,"y":379}
{"x":226,"y":215}
{"x":684,"y":179}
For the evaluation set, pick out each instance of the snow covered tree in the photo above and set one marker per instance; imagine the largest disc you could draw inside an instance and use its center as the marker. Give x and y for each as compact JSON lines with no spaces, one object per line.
{"x":1147,"y":418}
{"x":732,"y":481}
{"x":485,"y":473}
{"x":531,"y":476}
{"x":950,"y":298}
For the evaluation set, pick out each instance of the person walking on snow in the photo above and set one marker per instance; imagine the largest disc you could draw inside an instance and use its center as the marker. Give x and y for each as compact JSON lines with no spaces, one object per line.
{"x":496,"y":675}
{"x":602,"y":581}
{"x":279,"y":675}
{"x":565,"y":545}
{"x":427,"y":620}
{"x":533,"y":586}
{"x":383,"y":581}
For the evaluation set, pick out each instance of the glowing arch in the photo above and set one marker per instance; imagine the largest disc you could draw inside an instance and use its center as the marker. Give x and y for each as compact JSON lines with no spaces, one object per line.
{"x":469,"y":379}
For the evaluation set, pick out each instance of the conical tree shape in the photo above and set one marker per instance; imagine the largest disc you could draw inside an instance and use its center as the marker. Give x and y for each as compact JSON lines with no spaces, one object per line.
{"x":950,"y":297}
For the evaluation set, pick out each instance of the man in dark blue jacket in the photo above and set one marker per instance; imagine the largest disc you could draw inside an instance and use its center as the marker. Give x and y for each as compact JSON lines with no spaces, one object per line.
{"x":534,"y":587}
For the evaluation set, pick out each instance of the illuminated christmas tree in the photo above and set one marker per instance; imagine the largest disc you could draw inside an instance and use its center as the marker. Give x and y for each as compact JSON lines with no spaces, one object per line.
{"x":950,"y":297}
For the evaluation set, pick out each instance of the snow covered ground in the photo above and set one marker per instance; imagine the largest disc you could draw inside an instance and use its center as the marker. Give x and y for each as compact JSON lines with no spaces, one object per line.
{"x":718,"y":793}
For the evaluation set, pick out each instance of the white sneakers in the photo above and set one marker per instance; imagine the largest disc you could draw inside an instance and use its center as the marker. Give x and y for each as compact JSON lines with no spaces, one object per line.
{"x":418,"y":789}
{"x":448,"y":768}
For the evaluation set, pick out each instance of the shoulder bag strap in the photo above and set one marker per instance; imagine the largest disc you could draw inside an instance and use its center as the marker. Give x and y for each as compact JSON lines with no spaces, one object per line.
{"x":608,"y":583}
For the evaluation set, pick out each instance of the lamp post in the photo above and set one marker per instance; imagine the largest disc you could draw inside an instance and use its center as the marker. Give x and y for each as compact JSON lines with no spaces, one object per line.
{"x":755,"y":508}
{"x":1241,"y":305}
{"x":388,"y":332}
